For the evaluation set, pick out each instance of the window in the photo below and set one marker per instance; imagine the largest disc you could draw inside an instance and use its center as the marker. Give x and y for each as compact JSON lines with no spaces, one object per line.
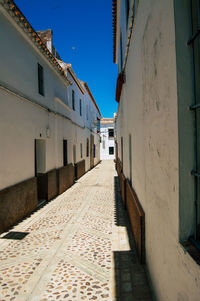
{"x":87,"y":147}
{"x":127,"y":12}
{"x":94,"y":150}
{"x":110,"y":133}
{"x":98,"y":125}
{"x":65,"y":159}
{"x":80,"y":105}
{"x":81,"y":150}
{"x":130,"y":157}
{"x":87,"y":112}
{"x":111,"y":150}
{"x":74,"y":153}
{"x":121,"y":51}
{"x":122,"y":155}
{"x":73,"y":100}
{"x":40,"y":80}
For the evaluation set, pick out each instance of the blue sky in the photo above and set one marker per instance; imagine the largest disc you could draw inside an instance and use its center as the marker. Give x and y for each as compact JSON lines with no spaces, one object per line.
{"x":82,"y":35}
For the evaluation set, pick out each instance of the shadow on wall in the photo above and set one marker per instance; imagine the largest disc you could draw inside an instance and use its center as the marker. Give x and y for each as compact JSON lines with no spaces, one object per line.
{"x":130,"y":276}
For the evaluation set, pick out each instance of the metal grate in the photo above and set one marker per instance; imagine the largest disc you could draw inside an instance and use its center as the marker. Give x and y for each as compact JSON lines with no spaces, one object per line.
{"x":15,"y":235}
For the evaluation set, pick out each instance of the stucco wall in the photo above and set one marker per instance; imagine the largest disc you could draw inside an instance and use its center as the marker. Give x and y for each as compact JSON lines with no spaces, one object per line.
{"x":148,"y":111}
{"x":27,"y":122}
{"x":22,"y":121}
{"x":19,"y":69}
{"x":107,"y":142}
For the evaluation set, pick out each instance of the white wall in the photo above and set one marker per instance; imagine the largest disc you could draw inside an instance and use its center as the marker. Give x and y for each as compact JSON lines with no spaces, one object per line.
{"x":22,"y":121}
{"x":148,"y":111}
{"x":106,"y":142}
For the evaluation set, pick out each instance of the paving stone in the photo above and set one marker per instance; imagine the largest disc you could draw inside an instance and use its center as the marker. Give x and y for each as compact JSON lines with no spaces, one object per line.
{"x":79,"y":247}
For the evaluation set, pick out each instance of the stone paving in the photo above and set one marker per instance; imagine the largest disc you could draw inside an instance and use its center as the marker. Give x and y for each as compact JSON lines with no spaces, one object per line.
{"x":78,"y":247}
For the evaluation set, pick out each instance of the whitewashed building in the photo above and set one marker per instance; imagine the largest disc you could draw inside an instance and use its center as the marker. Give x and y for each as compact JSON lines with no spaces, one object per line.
{"x":48,"y":119}
{"x":156,"y":47}
{"x":107,"y":145}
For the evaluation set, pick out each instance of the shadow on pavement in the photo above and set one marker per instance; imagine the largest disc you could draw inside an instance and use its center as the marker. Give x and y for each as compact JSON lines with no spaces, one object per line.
{"x":130,"y":276}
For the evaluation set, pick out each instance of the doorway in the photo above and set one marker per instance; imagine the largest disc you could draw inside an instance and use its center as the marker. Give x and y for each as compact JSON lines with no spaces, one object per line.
{"x":91,"y":151}
{"x":40,"y":170}
{"x":74,"y":154}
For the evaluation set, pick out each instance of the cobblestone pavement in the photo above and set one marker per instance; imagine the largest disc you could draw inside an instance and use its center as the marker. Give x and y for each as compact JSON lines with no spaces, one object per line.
{"x":77,"y":248}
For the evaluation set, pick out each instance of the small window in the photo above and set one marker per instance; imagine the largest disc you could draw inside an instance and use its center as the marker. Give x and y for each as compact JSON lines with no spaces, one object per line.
{"x":111,"y":150}
{"x":65,"y":153}
{"x":121,"y":51}
{"x":122,"y":151}
{"x":127,"y":12}
{"x":87,"y":112}
{"x":130,"y":157}
{"x":73,"y":100}
{"x":40,"y":80}
{"x":81,"y":150}
{"x":87,"y":147}
{"x":74,"y":153}
{"x":98,"y":125}
{"x":110,"y":133}
{"x":94,"y":150}
{"x":80,"y":105}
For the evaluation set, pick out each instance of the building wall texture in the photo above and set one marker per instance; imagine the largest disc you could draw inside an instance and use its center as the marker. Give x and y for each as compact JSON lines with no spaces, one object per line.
{"x":106,"y":141}
{"x":153,"y":109}
{"x":26,"y":116}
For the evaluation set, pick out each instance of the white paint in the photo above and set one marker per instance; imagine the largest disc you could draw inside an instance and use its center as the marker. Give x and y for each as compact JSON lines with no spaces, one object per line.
{"x":148,"y":111}
{"x":22,"y":121}
{"x":106,"y":141}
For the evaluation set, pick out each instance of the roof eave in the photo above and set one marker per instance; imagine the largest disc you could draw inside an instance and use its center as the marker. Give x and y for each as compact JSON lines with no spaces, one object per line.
{"x":114,"y":26}
{"x":19,"y":18}
{"x":92,"y":98}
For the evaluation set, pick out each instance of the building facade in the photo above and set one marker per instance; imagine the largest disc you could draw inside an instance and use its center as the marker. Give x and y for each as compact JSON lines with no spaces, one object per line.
{"x":107,"y":145}
{"x":157,"y":133}
{"x":48,"y":119}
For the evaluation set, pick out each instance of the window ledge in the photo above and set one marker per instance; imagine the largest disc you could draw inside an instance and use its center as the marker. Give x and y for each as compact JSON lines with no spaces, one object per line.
{"x":192,"y":250}
{"x":57,"y":99}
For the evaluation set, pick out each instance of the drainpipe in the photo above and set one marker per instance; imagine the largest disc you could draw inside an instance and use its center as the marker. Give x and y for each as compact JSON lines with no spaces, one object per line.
{"x":130,"y":31}
{"x":194,"y":107}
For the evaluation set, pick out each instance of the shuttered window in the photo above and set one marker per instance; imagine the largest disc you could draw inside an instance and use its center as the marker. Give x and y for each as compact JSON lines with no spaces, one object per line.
{"x":40,"y":80}
{"x":65,"y":159}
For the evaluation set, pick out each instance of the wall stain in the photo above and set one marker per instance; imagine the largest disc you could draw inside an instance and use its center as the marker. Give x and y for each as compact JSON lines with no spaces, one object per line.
{"x":158,"y":105}
{"x":155,"y":70}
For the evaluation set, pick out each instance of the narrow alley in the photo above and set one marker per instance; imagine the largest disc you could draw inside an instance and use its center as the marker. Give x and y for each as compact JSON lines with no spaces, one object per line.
{"x":77,"y":247}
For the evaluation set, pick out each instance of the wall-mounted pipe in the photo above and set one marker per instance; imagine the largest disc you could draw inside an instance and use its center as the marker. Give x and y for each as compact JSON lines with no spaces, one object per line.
{"x":195,"y":172}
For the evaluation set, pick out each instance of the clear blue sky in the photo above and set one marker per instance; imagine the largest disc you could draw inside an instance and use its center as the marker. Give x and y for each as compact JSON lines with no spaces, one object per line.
{"x":82,"y":35}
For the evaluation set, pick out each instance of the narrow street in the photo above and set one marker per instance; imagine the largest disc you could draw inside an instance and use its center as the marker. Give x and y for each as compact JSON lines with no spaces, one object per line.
{"x":78,"y":247}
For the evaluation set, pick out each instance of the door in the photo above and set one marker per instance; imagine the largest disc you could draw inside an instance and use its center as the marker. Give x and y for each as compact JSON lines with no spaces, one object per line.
{"x":91,"y":151}
{"x":40,"y":170}
{"x":74,"y":154}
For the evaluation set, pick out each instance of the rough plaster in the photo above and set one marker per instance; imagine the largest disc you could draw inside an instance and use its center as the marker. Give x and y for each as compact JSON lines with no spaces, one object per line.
{"x":104,"y":152}
{"x":148,"y":110}
{"x":22,"y":121}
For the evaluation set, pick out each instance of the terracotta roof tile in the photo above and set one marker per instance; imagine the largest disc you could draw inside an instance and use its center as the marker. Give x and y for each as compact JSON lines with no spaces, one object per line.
{"x":17,"y":15}
{"x":114,"y":25}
